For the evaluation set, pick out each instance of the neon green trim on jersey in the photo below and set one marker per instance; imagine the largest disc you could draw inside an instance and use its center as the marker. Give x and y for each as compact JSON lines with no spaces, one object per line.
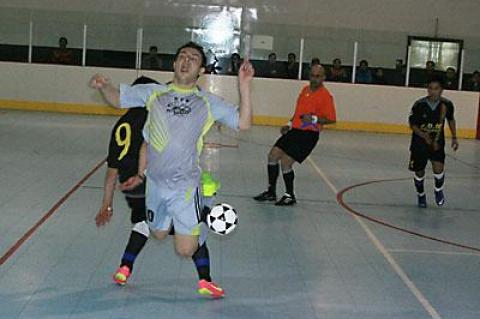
{"x":206,"y":127}
{"x":173,"y":87}
{"x":158,"y":133}
{"x":188,"y":194}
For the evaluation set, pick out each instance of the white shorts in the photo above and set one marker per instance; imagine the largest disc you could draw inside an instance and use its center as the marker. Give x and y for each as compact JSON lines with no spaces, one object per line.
{"x":180,"y":208}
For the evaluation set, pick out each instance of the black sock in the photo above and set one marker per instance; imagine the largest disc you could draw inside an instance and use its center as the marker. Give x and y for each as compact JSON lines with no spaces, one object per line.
{"x":288,"y":178}
{"x":135,"y":244}
{"x":419,"y":184}
{"x":273,"y":171}
{"x":439,"y":181}
{"x":201,"y":259}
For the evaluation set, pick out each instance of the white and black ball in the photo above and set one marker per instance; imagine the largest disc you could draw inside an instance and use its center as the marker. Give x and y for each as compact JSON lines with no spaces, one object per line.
{"x":222,"y":219}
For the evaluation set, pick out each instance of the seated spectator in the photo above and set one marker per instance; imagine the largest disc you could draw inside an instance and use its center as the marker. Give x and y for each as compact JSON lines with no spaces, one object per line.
{"x":429,"y":72}
{"x":379,"y":77}
{"x":364,"y":75}
{"x":451,"y":82}
{"x":62,"y":55}
{"x":337,"y":72}
{"x":292,"y":66}
{"x":272,"y":70}
{"x":235,"y":62}
{"x":152,"y":61}
{"x":474,"y":82}
{"x":397,"y":77}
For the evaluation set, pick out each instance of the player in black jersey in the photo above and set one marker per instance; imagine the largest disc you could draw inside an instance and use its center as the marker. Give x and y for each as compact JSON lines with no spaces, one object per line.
{"x":427,"y":121}
{"x":123,"y":161}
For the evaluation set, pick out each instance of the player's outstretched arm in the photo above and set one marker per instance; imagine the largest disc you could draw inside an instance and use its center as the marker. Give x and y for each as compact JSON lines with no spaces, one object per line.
{"x":105,"y":213}
{"x":110,"y":92}
{"x":245,"y":76}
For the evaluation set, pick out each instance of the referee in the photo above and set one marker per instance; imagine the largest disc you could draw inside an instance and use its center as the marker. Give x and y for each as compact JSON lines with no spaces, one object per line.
{"x":315,"y":108}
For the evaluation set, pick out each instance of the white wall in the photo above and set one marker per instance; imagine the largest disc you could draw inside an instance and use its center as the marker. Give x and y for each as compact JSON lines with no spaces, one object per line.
{"x":271,"y":97}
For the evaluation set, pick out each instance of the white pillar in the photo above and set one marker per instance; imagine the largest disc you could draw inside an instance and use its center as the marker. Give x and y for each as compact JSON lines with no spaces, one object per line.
{"x":84,"y":46}
{"x":407,"y":75}
{"x":30,"y":42}
{"x":300,"y":63}
{"x":460,"y":72}
{"x":355,"y":56}
{"x":138,"y":59}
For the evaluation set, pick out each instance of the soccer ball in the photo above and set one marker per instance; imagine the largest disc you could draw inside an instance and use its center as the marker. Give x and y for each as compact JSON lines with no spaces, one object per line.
{"x":222,"y":219}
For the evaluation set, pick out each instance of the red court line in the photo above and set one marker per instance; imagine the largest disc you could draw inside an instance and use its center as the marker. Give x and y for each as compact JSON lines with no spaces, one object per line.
{"x":47,"y":215}
{"x":342,"y":203}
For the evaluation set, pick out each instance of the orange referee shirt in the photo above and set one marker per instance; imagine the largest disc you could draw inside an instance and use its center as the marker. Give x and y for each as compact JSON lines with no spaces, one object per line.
{"x":319,"y":103}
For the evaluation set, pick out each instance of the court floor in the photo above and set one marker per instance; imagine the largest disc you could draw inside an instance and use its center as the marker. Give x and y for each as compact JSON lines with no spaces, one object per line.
{"x":366,"y":253}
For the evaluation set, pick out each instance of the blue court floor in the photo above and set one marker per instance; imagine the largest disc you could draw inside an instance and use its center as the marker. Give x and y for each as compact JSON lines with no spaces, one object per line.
{"x":314,"y":260}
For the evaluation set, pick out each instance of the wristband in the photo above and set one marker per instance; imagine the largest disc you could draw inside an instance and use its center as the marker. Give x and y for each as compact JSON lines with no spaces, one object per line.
{"x":142,"y":177}
{"x":289,"y":124}
{"x":314,"y":119}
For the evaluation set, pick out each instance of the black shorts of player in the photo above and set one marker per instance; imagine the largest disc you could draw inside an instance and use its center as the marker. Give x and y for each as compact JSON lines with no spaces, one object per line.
{"x":138,"y":207}
{"x":420,"y":158}
{"x":298,"y":144}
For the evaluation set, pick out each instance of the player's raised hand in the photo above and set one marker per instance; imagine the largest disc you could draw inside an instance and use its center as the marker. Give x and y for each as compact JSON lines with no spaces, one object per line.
{"x":103,"y":216}
{"x":455,"y":144}
{"x":98,"y":81}
{"x":246,"y":72}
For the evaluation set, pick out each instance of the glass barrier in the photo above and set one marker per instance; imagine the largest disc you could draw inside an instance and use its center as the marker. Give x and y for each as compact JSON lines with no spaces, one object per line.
{"x":14,"y":36}
{"x":471,"y":69}
{"x":333,"y":52}
{"x":57,"y":43}
{"x":379,"y":60}
{"x":112,"y":43}
{"x":274,"y":49}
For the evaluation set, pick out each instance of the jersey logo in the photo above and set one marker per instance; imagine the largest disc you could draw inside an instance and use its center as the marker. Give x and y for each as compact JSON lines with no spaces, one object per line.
{"x":180,"y":106}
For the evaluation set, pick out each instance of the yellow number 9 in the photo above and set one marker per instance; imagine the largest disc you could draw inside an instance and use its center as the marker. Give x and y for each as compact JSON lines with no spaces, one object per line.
{"x":125,"y":141}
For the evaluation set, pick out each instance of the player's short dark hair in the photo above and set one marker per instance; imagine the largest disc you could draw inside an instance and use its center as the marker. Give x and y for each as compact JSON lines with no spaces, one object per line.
{"x":315,"y":61}
{"x":144,"y":80}
{"x":436,"y":79}
{"x":292,"y":54}
{"x":195,"y":46}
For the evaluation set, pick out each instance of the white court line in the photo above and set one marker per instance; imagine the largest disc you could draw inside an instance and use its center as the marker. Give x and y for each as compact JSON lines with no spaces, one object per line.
{"x":435,"y":252}
{"x":376,"y":242}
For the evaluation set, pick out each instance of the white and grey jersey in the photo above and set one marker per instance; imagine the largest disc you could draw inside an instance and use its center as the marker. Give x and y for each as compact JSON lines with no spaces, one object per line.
{"x":176,"y":124}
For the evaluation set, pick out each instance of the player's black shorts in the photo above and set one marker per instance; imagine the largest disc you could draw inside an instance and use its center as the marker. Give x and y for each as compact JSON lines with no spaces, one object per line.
{"x":137,"y":205}
{"x":420,"y":158}
{"x":298,"y":144}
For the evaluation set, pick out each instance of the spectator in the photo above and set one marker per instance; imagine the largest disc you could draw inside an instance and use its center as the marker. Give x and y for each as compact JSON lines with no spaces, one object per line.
{"x":235,"y":62}
{"x":379,"y":77}
{"x":429,"y":72}
{"x":152,"y":61}
{"x":272,"y":68}
{"x":62,"y":55}
{"x":364,"y":75}
{"x":397,"y":77}
{"x":292,"y":66}
{"x":315,"y":61}
{"x":451,"y":82}
{"x":474,"y":82}
{"x":337,"y":72}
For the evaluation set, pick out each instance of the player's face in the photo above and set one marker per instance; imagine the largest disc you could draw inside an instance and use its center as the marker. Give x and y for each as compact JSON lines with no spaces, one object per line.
{"x":188,"y":66}
{"x":317,"y":76}
{"x":435,"y":90}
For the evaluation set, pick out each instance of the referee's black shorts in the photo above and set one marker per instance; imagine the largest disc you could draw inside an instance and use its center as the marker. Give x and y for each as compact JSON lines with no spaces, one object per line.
{"x":298,"y":144}
{"x":419,"y":158}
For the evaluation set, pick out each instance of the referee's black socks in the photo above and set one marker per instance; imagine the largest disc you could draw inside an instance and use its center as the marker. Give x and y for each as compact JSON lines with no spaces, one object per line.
{"x":288,"y":177}
{"x":273,"y":171}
